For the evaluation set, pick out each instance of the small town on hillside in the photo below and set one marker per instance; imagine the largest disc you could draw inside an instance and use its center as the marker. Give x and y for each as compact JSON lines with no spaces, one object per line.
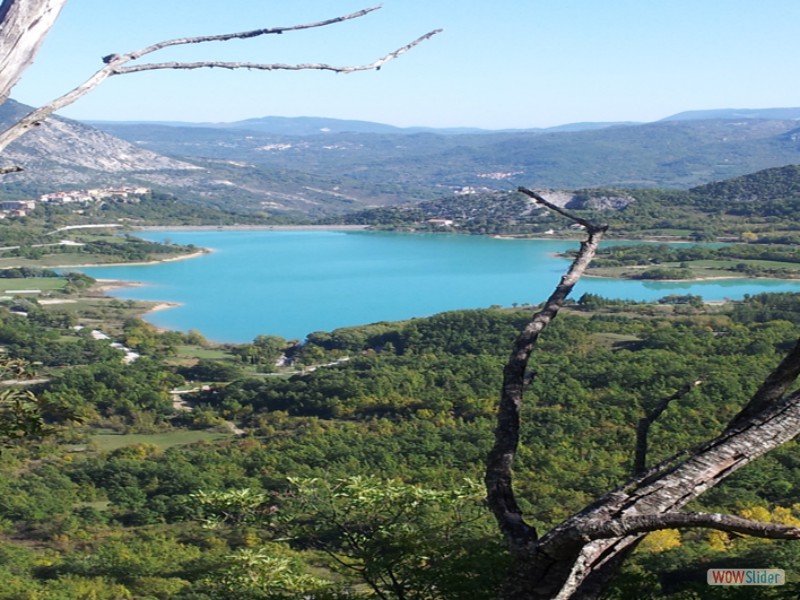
{"x":21,"y":208}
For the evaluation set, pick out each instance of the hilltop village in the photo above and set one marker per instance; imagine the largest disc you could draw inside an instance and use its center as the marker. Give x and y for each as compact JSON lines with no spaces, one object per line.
{"x":123,"y":194}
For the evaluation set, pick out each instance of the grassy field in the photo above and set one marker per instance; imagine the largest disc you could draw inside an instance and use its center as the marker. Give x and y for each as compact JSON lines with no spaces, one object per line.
{"x":32,"y":283}
{"x":188,"y":351}
{"x":701,"y":269}
{"x":611,"y":340}
{"x":106,"y":442}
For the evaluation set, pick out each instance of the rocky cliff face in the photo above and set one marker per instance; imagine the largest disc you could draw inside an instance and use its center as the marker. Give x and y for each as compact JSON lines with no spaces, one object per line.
{"x":588,"y":199}
{"x":61,"y":152}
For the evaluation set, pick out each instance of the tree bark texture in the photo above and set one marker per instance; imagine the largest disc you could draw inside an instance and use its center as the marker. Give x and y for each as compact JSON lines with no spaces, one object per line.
{"x":578,"y":558}
{"x":566,"y":559}
{"x":24,"y":24}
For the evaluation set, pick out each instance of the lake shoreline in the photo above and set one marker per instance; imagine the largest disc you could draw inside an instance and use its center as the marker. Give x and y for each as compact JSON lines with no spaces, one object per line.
{"x":141,"y":263}
{"x":209,"y":228}
{"x":252,"y":228}
{"x":293,"y":284}
{"x":103,"y":286}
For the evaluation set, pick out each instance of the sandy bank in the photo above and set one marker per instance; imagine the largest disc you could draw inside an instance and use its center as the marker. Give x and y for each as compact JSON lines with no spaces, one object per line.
{"x":162,"y":306}
{"x":106,"y":285}
{"x":136,"y":264}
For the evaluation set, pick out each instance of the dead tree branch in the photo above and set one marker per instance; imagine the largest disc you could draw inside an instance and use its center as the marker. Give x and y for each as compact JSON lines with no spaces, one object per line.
{"x":643,"y":428}
{"x":376,"y":65}
{"x":577,"y":558}
{"x":773,"y":388}
{"x":647,"y":523}
{"x":555,"y":208}
{"x":562,"y":565}
{"x":498,"y":479}
{"x":242,"y":35}
{"x":115,"y":64}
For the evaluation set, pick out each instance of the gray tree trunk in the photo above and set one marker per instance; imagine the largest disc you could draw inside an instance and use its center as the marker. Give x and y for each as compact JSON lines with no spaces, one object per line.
{"x":578,"y":558}
{"x":24,"y":24}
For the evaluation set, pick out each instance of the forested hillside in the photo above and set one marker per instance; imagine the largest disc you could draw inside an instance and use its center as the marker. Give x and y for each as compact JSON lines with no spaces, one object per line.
{"x":782,"y":183}
{"x":756,"y":207}
{"x":349,"y":479}
{"x":256,"y":167}
{"x":402,"y":167}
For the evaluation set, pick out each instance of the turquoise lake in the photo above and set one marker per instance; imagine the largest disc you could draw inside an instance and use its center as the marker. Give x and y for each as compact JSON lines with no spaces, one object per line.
{"x":291,"y":283}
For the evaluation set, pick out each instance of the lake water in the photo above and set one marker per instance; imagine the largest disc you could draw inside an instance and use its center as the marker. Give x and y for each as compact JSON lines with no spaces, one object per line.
{"x":291,"y":283}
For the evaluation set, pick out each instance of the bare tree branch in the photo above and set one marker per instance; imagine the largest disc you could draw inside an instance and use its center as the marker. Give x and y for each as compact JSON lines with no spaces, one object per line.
{"x":498,"y":478}
{"x":275,"y":66}
{"x":555,"y":208}
{"x":563,"y":563}
{"x":115,"y":65}
{"x":637,"y":524}
{"x":577,"y":558}
{"x":224,"y":37}
{"x":774,"y":387}
{"x":643,"y":428}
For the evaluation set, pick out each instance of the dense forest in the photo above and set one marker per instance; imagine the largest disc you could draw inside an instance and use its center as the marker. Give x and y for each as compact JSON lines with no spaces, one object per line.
{"x":358,"y":478}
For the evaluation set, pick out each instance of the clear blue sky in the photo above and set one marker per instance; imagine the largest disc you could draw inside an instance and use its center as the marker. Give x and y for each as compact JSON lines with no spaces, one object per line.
{"x":504,"y":64}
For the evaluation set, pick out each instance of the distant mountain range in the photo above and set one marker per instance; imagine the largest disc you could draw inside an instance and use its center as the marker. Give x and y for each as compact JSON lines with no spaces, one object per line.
{"x":322,"y":125}
{"x":299,"y":126}
{"x":319,"y":166}
{"x":781,"y":114}
{"x":318,"y":125}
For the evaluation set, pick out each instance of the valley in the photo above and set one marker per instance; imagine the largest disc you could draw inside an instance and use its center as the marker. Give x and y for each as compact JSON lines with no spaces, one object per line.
{"x":308,"y":168}
{"x":112,"y":487}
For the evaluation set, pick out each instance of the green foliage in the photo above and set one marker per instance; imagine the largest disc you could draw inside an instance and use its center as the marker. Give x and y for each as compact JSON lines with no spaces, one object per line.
{"x":26,"y":272}
{"x":232,"y":507}
{"x":368,"y":387}
{"x":23,"y":414}
{"x":481,"y":213}
{"x":265,"y":351}
{"x":404,"y":541}
{"x":763,"y":259}
{"x":759,"y":207}
{"x":37,"y":338}
{"x":147,"y":339}
{"x":131,"y":391}
{"x":211,"y":370}
{"x":20,"y":415}
{"x":759,"y":188}
{"x":41,"y":496}
{"x":258,"y":574}
{"x":415,"y":404}
{"x":661,"y":273}
{"x":763,"y":308}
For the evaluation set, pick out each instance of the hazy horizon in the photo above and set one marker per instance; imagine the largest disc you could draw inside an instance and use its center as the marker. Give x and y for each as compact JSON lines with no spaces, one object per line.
{"x":329,"y":118}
